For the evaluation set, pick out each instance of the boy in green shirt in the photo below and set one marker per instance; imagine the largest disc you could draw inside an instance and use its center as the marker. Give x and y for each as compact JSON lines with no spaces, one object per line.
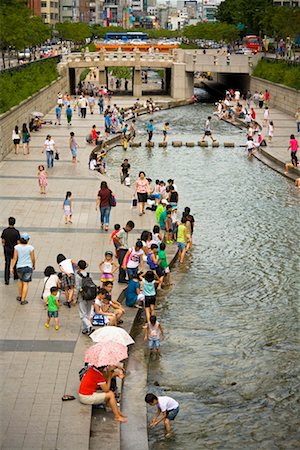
{"x":164,"y":263}
{"x":53,"y":306}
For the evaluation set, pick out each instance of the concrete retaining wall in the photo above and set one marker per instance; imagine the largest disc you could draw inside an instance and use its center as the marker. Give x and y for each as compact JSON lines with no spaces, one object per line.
{"x":283,"y":98}
{"x":41,"y":101}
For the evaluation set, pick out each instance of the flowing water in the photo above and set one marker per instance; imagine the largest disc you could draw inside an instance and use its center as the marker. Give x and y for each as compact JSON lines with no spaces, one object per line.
{"x":231,"y":353}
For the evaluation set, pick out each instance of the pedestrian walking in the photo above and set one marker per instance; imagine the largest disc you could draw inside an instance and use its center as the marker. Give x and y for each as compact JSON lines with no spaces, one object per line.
{"x":165,"y":131}
{"x":73,"y":145}
{"x":69,"y":114}
{"x":91,"y":102}
{"x":50,"y":280}
{"x":58,"y":115}
{"x":101,"y":104}
{"x":25,"y":139}
{"x":66,"y":266}
{"x":50,"y":148}
{"x":103,"y":202}
{"x":121,"y":238}
{"x":266,"y":116}
{"x":10,"y":238}
{"x":293,"y":147}
{"x":207,"y":130}
{"x":68,"y":207}
{"x":261,"y":99}
{"x":42,"y":179}
{"x":271,"y":131}
{"x":150,"y":130}
{"x":52,"y":304}
{"x":24,"y":260}
{"x":16,"y":138}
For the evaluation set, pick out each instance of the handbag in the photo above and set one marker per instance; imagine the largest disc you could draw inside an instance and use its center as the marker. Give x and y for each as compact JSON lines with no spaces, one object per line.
{"x":56,"y":156}
{"x":112,"y":200}
{"x":134,"y":203}
{"x":42,"y":295}
{"x":98,"y":320}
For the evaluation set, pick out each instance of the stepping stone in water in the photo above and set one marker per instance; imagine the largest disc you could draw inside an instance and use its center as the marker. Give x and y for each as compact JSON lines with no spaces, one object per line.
{"x":190,"y":144}
{"x":135,"y":144}
{"x":162,"y":144}
{"x":203,"y":143}
{"x":228,"y":144}
{"x":149,"y":144}
{"x":215,"y":144}
{"x":177,"y":143}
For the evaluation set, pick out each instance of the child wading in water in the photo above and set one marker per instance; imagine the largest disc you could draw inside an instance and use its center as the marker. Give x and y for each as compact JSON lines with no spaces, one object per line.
{"x":42,"y":176}
{"x":154,"y":333}
{"x":167,"y":408}
{"x":52,"y":304}
{"x":108,"y":267}
{"x":165,"y":131}
{"x":67,"y":207}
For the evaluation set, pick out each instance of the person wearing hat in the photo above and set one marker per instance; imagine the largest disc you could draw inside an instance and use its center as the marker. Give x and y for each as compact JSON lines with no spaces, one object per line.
{"x":24,"y":260}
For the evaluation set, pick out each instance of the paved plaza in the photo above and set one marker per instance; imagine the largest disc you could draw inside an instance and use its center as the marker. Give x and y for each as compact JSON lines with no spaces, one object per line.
{"x":39,"y":365}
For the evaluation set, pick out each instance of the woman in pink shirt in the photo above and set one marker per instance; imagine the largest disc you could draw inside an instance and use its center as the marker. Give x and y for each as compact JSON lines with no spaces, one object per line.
{"x":294,"y":148}
{"x":142,"y":189}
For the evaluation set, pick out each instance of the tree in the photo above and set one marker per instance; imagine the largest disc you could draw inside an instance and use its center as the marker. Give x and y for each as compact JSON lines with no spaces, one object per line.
{"x":249,"y":13}
{"x":18,"y":29}
{"x":75,"y":32}
{"x":211,"y":31}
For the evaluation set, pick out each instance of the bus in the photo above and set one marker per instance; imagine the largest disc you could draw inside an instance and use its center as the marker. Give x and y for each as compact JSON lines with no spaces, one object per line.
{"x":253,"y":43}
{"x":127,"y":36}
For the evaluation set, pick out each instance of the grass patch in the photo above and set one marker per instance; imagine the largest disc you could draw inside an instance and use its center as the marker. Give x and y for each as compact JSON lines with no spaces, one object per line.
{"x":22,"y":82}
{"x":280,"y":72}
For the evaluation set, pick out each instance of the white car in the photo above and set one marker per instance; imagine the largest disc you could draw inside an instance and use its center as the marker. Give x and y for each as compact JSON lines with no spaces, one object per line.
{"x":24,"y":54}
{"x":243,"y":51}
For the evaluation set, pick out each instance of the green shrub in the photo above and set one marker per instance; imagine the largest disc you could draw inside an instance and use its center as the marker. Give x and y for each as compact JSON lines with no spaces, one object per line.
{"x":281,"y":72}
{"x":19,"y":84}
{"x":84,"y":74}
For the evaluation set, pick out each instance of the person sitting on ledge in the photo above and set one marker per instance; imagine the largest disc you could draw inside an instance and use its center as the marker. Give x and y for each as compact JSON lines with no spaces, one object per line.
{"x":90,"y":383}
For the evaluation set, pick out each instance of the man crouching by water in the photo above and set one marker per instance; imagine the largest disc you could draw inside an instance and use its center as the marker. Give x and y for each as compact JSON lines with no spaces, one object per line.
{"x":167,"y":408}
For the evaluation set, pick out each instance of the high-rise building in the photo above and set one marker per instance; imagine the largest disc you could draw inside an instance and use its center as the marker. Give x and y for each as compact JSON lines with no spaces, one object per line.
{"x":67,"y":11}
{"x":35,"y":6}
{"x":50,"y":11}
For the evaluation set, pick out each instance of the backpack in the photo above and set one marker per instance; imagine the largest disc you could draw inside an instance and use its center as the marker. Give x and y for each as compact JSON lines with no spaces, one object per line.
{"x":88,"y":288}
{"x":83,"y":371}
{"x":112,"y":200}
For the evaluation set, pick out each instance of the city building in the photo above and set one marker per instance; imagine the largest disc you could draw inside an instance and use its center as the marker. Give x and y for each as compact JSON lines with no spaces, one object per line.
{"x":50,"y":11}
{"x":35,"y":6}
{"x":67,"y":11}
{"x":209,"y":9}
{"x":178,"y":20}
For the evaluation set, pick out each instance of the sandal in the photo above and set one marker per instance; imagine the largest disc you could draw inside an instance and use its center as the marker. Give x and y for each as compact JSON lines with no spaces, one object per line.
{"x":25,"y":302}
{"x":67,"y":397}
{"x":18,"y":299}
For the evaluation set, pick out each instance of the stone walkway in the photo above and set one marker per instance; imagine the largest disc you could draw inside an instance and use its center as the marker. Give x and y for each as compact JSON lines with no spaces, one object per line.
{"x":284,"y":126}
{"x":39,"y":365}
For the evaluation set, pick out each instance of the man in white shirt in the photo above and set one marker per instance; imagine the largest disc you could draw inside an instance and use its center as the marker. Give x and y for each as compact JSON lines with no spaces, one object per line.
{"x":49,"y":147}
{"x":167,"y":408}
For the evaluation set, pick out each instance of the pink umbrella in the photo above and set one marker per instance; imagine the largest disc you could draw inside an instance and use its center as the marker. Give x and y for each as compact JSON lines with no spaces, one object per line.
{"x":106,"y":354}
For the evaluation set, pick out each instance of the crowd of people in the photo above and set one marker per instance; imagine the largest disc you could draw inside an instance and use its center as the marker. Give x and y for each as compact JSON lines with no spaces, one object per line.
{"x":235,"y":106}
{"x":143,"y":267}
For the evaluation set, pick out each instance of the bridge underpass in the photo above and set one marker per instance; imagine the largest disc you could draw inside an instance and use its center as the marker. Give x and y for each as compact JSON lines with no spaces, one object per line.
{"x":179,"y":67}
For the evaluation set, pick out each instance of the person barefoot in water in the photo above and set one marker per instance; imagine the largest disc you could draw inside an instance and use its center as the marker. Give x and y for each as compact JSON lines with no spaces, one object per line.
{"x":167,"y":410}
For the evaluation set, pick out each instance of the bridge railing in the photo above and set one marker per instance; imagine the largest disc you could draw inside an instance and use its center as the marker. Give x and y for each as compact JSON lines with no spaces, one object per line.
{"x":118,"y":56}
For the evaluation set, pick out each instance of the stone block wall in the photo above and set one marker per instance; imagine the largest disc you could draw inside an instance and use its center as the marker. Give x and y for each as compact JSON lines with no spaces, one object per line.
{"x":283,"y":98}
{"x":42,"y":101}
